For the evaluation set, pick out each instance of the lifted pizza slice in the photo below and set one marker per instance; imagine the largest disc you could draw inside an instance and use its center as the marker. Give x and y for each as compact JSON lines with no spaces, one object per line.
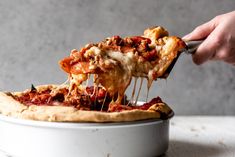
{"x":116,"y":60}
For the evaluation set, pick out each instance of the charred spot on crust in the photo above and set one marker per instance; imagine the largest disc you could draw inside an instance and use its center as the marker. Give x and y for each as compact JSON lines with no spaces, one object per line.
{"x":9,"y":94}
{"x":33,"y":89}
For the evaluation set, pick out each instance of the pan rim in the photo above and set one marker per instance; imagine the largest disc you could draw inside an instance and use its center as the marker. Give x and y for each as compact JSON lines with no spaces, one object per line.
{"x":80,"y":125}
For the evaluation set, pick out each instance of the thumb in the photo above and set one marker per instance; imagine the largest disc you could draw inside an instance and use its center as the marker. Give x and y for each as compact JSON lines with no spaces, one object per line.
{"x":201,"y":31}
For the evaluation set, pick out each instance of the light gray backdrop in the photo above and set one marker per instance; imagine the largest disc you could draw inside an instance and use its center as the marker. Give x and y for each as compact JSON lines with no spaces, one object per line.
{"x":35,"y":34}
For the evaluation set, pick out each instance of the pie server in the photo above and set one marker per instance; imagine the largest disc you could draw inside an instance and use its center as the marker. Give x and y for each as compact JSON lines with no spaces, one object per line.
{"x":191,"y":47}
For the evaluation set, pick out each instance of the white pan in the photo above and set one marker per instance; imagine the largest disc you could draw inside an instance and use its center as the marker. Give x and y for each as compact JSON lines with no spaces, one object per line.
{"x":26,"y":138}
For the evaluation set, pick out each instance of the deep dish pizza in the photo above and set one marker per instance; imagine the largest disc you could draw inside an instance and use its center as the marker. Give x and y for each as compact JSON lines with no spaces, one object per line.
{"x":111,"y":64}
{"x":40,"y":104}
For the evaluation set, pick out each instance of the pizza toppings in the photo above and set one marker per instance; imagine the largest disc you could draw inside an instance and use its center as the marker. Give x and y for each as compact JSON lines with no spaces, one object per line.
{"x":97,"y":100}
{"x":115,"y":61}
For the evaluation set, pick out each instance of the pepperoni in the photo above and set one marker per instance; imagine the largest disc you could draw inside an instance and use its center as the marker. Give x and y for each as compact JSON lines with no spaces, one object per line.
{"x":146,"y":106}
{"x":80,"y":68}
{"x":65,"y":64}
{"x":151,"y":55}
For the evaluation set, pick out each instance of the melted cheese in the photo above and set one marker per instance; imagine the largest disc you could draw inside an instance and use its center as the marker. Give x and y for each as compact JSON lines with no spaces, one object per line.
{"x":127,"y":60}
{"x":118,"y":68}
{"x":138,"y":94}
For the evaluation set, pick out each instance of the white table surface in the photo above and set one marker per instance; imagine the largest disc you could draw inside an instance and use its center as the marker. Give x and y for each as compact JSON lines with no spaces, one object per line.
{"x":200,"y":136}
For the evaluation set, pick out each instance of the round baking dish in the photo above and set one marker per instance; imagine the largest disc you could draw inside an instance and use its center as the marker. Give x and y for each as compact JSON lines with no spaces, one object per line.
{"x":27,"y":138}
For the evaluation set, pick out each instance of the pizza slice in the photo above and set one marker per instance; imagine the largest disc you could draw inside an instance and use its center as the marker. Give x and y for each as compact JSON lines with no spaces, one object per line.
{"x":115,"y":61}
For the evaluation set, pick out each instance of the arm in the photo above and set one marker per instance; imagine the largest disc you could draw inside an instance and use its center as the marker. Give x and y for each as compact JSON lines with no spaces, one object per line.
{"x":219,"y":35}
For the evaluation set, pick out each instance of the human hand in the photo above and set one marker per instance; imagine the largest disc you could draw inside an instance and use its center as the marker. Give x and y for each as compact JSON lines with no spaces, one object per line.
{"x":219,"y":43}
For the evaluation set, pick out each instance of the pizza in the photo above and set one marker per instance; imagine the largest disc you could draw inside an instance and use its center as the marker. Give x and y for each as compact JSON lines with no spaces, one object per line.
{"x":110,"y":65}
{"x":39,"y":103}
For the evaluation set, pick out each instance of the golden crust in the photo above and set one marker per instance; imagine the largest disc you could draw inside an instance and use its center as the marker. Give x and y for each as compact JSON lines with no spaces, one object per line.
{"x":170,"y":50}
{"x":70,"y":114}
{"x":10,"y":107}
{"x":155,"y":33}
{"x":40,"y":88}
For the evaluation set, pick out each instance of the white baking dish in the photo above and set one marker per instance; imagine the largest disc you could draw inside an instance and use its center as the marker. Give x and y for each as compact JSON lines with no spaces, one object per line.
{"x":26,"y":138}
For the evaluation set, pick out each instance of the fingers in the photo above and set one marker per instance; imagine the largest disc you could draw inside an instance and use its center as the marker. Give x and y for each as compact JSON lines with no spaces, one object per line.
{"x":219,"y":35}
{"x":204,"y":52}
{"x":226,"y":53}
{"x":209,"y":48}
{"x":201,"y":31}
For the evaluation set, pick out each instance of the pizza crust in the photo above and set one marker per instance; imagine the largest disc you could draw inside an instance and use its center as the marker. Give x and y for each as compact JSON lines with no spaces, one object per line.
{"x":10,"y":107}
{"x":70,"y":114}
